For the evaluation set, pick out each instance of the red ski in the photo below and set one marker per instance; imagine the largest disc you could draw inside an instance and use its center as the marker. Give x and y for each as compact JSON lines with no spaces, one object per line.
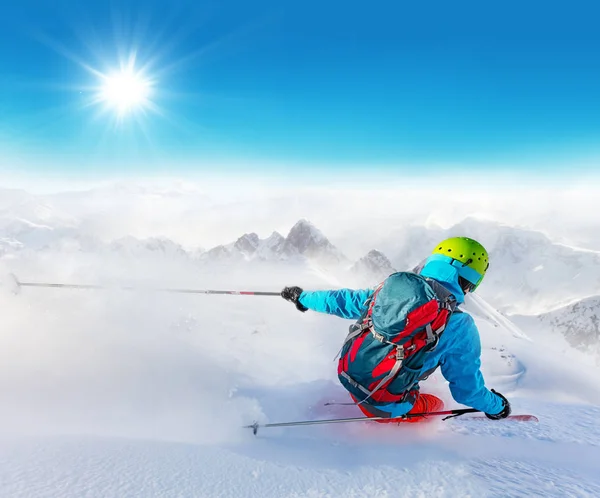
{"x":516,"y":418}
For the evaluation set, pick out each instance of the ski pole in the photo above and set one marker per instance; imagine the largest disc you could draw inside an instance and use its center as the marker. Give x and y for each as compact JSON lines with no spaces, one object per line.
{"x":17,"y":284}
{"x":450,"y":414}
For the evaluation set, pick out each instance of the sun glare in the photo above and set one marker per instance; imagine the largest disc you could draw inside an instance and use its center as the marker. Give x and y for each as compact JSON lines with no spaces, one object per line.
{"x":125,"y":92}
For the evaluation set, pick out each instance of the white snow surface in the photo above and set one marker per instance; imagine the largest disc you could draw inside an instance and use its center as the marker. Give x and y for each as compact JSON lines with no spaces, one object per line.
{"x":578,"y":323}
{"x":142,"y":394}
{"x":145,"y":394}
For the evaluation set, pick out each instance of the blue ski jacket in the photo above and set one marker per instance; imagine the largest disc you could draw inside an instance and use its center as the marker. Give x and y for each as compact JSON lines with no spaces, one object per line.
{"x":458,"y":352}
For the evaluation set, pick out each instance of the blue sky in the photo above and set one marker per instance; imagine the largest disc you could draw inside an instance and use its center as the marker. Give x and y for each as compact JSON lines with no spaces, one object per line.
{"x":280,"y":86}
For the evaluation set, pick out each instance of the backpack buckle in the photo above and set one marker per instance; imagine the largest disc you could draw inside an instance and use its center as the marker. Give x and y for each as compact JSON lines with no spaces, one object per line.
{"x":434,"y":344}
{"x":378,"y":336}
{"x":399,"y":353}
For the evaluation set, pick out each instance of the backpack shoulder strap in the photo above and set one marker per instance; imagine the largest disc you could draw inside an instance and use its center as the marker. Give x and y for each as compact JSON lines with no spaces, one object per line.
{"x":444,"y":295}
{"x":447,"y":301}
{"x":363,"y":323}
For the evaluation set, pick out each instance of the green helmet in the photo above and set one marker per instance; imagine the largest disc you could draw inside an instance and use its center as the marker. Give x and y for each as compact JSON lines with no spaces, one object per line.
{"x":468,"y":255}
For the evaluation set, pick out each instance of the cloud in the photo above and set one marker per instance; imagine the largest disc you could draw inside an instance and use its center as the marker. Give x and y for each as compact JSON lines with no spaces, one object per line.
{"x":218,"y":209}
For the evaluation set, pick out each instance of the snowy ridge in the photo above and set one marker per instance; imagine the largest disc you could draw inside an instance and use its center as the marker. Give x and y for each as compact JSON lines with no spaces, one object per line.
{"x":304,"y":241}
{"x":10,"y":246}
{"x":373,"y":268}
{"x":537,"y":274}
{"x":18,"y":206}
{"x":160,"y":246}
{"x":578,"y":323}
{"x":250,"y":247}
{"x":529,"y":273}
{"x":307,"y":240}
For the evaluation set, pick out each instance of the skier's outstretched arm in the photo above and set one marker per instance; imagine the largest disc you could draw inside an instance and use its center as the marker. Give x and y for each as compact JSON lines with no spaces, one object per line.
{"x":461,"y":368}
{"x":345,"y":303}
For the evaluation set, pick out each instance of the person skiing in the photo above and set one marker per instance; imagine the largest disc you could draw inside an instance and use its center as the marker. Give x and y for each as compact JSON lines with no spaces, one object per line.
{"x":456,"y":267}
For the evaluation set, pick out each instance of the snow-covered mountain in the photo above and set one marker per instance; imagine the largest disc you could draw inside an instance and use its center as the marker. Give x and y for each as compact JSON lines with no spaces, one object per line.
{"x":30,"y":234}
{"x":304,"y":241}
{"x":9,"y":246}
{"x":249,"y":247}
{"x":373,"y":268}
{"x":155,"y":246}
{"x":219,"y":253}
{"x":247,"y":244}
{"x":308,"y":241}
{"x":529,"y":273}
{"x":271,"y":246}
{"x":578,"y":323}
{"x":18,"y":205}
{"x":143,"y":210}
{"x":24,"y":234}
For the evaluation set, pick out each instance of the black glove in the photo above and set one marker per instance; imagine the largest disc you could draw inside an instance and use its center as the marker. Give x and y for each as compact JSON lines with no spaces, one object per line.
{"x":505,"y":408}
{"x":293,"y":294}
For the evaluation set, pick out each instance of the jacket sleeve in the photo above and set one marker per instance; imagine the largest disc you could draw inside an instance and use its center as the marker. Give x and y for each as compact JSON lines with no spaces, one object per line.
{"x":345,"y":303}
{"x":461,"y":368}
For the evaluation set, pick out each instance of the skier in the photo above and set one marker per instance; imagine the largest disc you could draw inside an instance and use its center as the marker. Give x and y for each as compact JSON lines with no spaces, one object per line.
{"x":459,"y":265}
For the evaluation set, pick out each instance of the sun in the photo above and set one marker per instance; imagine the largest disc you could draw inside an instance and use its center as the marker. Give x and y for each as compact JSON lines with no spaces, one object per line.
{"x":125,"y":91}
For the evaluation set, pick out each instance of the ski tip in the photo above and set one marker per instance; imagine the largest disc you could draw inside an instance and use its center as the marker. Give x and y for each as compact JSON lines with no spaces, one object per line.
{"x":524,"y":418}
{"x":513,"y":418}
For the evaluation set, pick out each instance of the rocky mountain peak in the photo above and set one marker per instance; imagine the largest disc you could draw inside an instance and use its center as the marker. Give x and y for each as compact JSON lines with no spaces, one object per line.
{"x":578,"y":322}
{"x":305,"y":239}
{"x":373,"y":267}
{"x":272,"y":246}
{"x":247,"y":244}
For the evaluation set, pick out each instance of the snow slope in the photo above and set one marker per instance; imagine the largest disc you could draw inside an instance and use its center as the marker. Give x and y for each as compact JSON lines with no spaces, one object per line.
{"x":578,"y":323}
{"x":118,"y":394}
{"x":144,"y":394}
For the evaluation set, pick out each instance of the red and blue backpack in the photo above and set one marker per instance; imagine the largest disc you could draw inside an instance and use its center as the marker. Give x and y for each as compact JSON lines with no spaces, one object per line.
{"x":383,"y":355}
